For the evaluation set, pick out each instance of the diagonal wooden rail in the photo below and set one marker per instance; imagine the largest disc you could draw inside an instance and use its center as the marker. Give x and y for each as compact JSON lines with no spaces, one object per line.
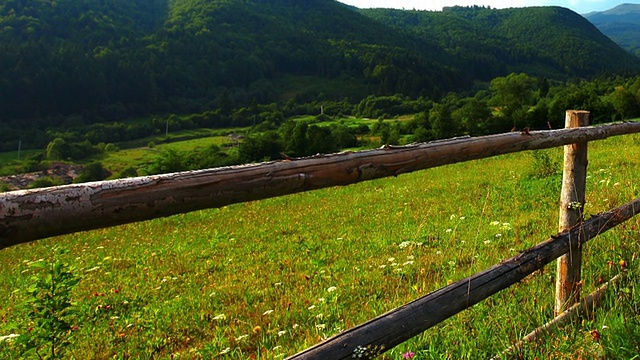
{"x":29,"y":215}
{"x":396,"y":326}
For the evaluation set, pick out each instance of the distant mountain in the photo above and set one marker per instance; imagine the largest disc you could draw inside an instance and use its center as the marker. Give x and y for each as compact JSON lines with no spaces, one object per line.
{"x":622,"y":24}
{"x":110,"y":59}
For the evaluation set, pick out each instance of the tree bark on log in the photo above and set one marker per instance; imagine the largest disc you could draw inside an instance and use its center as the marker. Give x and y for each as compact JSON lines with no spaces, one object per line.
{"x":396,"y":326}
{"x":29,"y":215}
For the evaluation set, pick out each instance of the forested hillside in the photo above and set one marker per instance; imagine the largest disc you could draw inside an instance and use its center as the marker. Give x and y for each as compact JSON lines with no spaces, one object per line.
{"x":113,"y":59}
{"x":550,"y":41}
{"x":88,"y":72}
{"x":118,"y":58}
{"x":622,"y":24}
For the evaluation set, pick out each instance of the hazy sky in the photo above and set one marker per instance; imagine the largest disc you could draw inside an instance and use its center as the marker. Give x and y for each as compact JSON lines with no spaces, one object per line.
{"x":579,"y":6}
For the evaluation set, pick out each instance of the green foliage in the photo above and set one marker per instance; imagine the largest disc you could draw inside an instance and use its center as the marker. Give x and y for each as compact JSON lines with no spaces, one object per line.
{"x":167,"y":161}
{"x":259,"y":147}
{"x":93,"y":171}
{"x":441,"y":121}
{"x":543,"y":165}
{"x":50,"y":311}
{"x":45,"y":181}
{"x":171,"y":160}
{"x":128,"y":172}
{"x":513,"y":95}
{"x":56,"y":150}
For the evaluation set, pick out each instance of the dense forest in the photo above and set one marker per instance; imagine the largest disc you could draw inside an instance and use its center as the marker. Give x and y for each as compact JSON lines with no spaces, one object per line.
{"x":111,"y":59}
{"x":78,"y":75}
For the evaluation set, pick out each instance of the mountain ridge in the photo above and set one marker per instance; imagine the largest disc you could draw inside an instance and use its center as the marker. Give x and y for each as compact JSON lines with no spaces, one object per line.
{"x":621,"y":24}
{"x":114,"y":59}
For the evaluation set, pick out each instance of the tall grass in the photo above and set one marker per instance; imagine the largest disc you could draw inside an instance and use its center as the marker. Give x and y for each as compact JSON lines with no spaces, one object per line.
{"x":267,"y":279}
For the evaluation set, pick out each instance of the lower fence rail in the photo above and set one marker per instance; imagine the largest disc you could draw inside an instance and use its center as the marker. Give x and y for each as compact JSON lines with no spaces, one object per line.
{"x":396,"y":326}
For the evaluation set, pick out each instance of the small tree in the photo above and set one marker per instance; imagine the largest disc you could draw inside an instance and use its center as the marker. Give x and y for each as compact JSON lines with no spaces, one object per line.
{"x":50,"y":310}
{"x":57,"y":149}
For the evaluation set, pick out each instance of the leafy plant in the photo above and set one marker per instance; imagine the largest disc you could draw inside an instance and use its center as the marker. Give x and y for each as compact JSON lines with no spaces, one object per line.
{"x":50,"y":310}
{"x":543,"y":165}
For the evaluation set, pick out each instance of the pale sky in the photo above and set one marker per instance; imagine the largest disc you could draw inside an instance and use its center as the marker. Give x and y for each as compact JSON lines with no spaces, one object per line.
{"x":579,"y":6}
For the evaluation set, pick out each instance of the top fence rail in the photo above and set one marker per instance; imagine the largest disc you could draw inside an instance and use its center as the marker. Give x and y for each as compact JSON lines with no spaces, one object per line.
{"x":29,"y":215}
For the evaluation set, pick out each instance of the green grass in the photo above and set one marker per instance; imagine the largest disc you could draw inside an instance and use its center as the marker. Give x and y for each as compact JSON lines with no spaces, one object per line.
{"x":138,"y":157}
{"x":11,"y":163}
{"x":273,"y":277}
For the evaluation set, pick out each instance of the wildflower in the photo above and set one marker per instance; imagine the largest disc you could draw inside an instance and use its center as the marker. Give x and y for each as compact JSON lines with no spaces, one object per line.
{"x":267,"y":312}
{"x":9,"y":337}
{"x":321,"y":299}
{"x":449,"y":230}
{"x":382,"y":266}
{"x":359,"y":352}
{"x":404,"y":244}
{"x":311,"y":307}
{"x":220,"y":317}
{"x":332,"y":289}
{"x":410,"y":262}
{"x":453,"y":216}
{"x":319,"y":316}
{"x":410,"y":257}
{"x":320,"y":326}
{"x":409,"y":355}
{"x":280,"y":333}
{"x":487,"y":241}
{"x":225,"y":351}
{"x":495,"y":223}
{"x":438,"y":252}
{"x":391,"y":259}
{"x":241,"y":337}
{"x":462,"y":217}
{"x":498,"y":235}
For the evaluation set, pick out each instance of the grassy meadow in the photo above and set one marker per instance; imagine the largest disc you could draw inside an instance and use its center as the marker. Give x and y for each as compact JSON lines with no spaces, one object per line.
{"x":267,"y":279}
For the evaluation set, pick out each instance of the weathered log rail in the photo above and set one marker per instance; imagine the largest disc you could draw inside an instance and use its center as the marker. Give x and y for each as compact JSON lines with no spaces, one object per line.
{"x":29,"y":215}
{"x":396,"y":326}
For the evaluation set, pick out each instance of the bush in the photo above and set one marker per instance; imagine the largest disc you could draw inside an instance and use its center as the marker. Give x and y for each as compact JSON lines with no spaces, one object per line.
{"x":92,"y":172}
{"x":543,"y":165}
{"x":46,"y":181}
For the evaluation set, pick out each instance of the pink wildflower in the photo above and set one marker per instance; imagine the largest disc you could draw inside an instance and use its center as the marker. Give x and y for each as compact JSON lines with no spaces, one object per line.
{"x":409,"y":355}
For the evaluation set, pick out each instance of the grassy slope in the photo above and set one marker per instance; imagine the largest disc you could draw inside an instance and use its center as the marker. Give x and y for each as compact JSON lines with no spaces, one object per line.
{"x":258,"y":278}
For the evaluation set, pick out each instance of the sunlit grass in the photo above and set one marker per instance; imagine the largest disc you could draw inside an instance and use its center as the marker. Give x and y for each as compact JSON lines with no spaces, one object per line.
{"x":273,"y":277}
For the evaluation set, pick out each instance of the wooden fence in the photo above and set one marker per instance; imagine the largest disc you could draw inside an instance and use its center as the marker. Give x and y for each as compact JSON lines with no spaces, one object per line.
{"x":28,"y":215}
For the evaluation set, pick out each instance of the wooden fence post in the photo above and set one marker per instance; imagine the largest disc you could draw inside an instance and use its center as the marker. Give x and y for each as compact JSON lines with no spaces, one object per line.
{"x":572,"y":200}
